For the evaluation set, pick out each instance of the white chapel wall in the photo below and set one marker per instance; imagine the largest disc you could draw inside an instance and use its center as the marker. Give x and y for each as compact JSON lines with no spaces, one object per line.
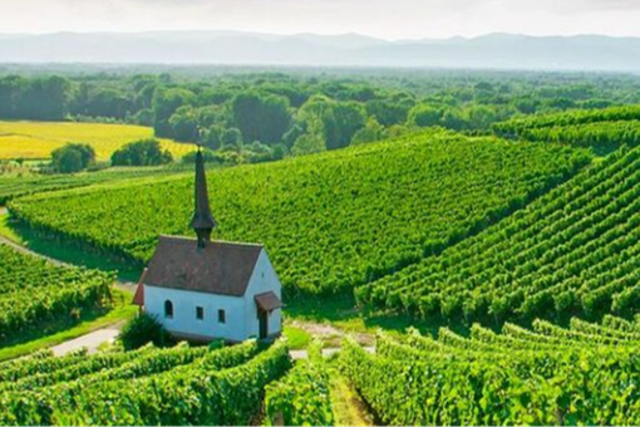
{"x":184,"y":319}
{"x":263,"y":279}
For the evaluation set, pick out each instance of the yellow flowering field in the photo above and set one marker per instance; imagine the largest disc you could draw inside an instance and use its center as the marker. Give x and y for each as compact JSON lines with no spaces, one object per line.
{"x":36,"y":140}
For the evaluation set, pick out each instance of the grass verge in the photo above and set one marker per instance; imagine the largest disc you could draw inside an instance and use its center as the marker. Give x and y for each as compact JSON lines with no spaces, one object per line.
{"x":348,"y":408}
{"x":58,"y":333}
{"x":297,"y":338}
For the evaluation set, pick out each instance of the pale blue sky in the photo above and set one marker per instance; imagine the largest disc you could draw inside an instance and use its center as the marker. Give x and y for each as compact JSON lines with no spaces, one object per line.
{"x":391,"y":19}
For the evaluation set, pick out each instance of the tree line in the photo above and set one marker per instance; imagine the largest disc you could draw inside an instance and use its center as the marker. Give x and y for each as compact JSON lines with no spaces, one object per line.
{"x":272,"y":114}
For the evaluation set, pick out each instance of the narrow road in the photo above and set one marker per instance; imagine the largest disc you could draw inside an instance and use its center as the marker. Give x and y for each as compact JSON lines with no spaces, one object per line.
{"x":92,"y":341}
{"x":122,"y":285}
{"x":25,"y":250}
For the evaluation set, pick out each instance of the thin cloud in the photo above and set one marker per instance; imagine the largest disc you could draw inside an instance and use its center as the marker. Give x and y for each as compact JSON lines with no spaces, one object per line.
{"x":392,"y":19}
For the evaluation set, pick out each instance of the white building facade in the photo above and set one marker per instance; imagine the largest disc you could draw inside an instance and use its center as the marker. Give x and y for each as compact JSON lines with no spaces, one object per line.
{"x":204,"y":315}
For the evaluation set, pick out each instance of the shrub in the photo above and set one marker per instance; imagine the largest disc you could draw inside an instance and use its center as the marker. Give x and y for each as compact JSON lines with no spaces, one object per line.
{"x":146,"y":152}
{"x":72,"y":158}
{"x":141,"y":330}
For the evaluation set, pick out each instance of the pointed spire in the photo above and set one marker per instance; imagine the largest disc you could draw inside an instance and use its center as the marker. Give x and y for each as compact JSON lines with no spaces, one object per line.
{"x":202,"y":221}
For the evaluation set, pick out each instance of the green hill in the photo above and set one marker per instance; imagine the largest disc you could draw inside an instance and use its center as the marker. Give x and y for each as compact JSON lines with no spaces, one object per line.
{"x":602,"y":130}
{"x":329,"y":221}
{"x":574,"y":250}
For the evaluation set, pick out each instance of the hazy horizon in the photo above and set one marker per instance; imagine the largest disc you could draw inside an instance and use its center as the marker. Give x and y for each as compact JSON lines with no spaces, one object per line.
{"x":384,"y":19}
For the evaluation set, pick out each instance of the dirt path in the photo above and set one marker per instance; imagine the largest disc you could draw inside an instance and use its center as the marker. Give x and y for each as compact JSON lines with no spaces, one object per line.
{"x":92,"y":341}
{"x":122,"y":285}
{"x":28,"y":251}
{"x":348,"y":407}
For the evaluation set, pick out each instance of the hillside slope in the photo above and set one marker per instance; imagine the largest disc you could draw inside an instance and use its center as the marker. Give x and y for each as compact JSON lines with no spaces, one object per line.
{"x":575,"y":249}
{"x":330,"y":221}
{"x":603,"y":130}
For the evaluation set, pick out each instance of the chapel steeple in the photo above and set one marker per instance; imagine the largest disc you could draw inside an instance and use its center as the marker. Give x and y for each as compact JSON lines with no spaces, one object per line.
{"x":202,"y":221}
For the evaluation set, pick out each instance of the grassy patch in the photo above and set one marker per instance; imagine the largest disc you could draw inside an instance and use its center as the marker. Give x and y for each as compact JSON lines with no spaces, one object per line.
{"x":64,"y":251}
{"x":298,"y":338}
{"x":348,"y":408}
{"x":60,"y":332}
{"x":6,"y":230}
{"x":341,"y":312}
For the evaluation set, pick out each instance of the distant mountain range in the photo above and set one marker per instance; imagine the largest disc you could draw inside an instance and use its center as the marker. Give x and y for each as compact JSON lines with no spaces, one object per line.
{"x":501,"y":51}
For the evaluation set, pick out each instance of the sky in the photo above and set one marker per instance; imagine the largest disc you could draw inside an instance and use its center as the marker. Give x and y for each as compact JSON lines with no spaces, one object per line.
{"x":388,"y":19}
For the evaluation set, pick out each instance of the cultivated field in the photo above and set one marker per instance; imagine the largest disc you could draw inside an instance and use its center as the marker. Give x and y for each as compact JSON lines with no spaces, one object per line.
{"x":36,"y":140}
{"x":34,"y":292}
{"x":584,"y":375}
{"x":174,"y":386}
{"x":330,"y":221}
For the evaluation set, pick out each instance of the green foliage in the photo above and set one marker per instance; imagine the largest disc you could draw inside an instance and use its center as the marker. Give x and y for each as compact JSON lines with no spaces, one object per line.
{"x":604,"y":130}
{"x":550,"y":376}
{"x":574,"y":249}
{"x":372,"y":131}
{"x":39,"y":98}
{"x":220,"y":387}
{"x":184,"y":124}
{"x":302,"y":397}
{"x":261,"y":118}
{"x":147,"y":152}
{"x":11,"y":187}
{"x":72,"y":158}
{"x":141,"y":330}
{"x":34,"y":292}
{"x":332,"y":221}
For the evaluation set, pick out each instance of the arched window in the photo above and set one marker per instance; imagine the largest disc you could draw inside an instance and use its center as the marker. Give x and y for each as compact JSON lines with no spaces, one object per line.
{"x":168,"y":309}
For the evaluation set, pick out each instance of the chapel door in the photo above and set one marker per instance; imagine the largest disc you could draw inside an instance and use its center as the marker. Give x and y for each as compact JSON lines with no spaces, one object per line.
{"x":263,"y":321}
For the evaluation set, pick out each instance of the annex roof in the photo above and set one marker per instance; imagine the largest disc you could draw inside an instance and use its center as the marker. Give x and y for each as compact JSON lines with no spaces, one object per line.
{"x":268,"y":301}
{"x":223,"y":268}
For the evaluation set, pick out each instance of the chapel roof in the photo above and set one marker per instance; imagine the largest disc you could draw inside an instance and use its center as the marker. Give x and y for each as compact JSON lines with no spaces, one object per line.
{"x":223,"y":268}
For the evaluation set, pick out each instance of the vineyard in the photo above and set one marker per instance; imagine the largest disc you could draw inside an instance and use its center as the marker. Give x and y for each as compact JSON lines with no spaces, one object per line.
{"x":330,"y":221}
{"x":173,"y":386}
{"x":36,"y":140}
{"x":11,"y":187}
{"x":34,"y":292}
{"x":573,"y":250}
{"x":602,"y":130}
{"x":585,"y":375}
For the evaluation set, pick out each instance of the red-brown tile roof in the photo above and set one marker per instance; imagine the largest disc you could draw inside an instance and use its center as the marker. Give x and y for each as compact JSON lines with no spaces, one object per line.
{"x":223,"y":268}
{"x":268,"y":301}
{"x":138,"y":298}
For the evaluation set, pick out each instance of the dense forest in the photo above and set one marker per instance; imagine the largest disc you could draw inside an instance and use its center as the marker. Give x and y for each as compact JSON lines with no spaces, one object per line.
{"x":276,"y":113}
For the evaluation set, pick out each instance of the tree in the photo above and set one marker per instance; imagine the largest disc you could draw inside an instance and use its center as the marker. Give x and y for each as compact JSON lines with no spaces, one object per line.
{"x":372,"y":131}
{"x":72,"y":158}
{"x":350,"y":117}
{"x":165,"y":103}
{"x":334,"y":122}
{"x":453,"y":119}
{"x":232,"y":138}
{"x":147,"y":152}
{"x":308,"y":144}
{"x":261,"y":118}
{"x":387,"y":112}
{"x":481,"y":117}
{"x":184,"y":124}
{"x":212,"y":137}
{"x":423,"y":115}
